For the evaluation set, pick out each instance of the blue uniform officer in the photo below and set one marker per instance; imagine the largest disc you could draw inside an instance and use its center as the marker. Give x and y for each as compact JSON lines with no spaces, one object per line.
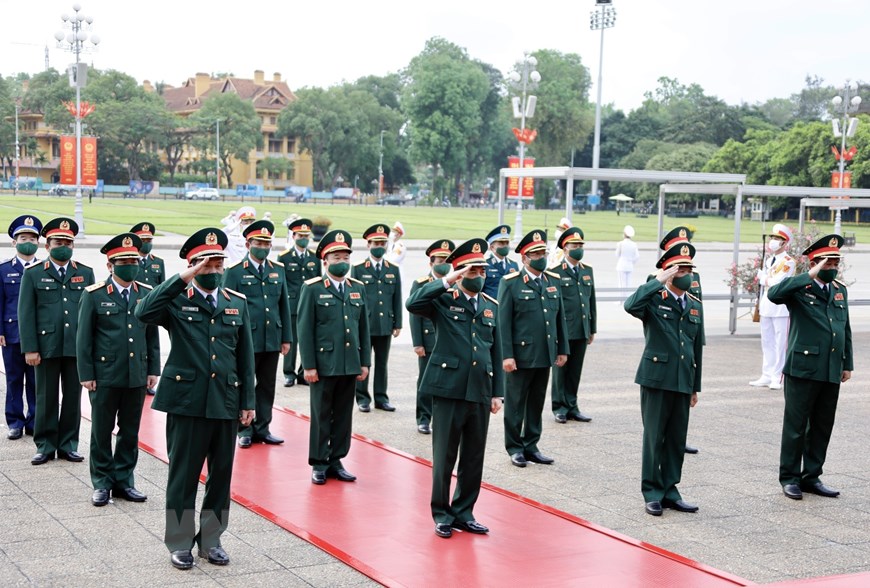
{"x":498,"y":264}
{"x":20,"y":379}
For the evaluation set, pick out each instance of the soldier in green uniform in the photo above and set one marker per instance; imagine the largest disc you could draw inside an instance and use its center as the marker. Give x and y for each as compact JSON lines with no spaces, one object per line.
{"x":423,"y":329}
{"x":47,"y":320}
{"x":669,"y":374}
{"x":207,"y":389}
{"x":336,"y":352}
{"x":118,"y":356}
{"x":464,"y":380}
{"x":676,"y":236}
{"x":818,"y":305}
{"x":152,"y":270}
{"x":300,"y":264}
{"x":578,"y":299}
{"x":531,"y":324}
{"x":383,"y":285}
{"x":263,"y":284}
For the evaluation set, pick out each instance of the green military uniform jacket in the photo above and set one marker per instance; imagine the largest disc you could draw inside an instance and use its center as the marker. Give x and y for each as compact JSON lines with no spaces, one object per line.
{"x":383,"y":296}
{"x":152,"y":270}
{"x":333,"y":328}
{"x":531,"y":323}
{"x":819,"y":335}
{"x":115,"y":348}
{"x":48,"y":308}
{"x":422,"y":327}
{"x":268,"y":304}
{"x":210,"y":369}
{"x":673,"y":351}
{"x":578,"y":299}
{"x":694,"y":290}
{"x":296,"y":271}
{"x":466,"y":360}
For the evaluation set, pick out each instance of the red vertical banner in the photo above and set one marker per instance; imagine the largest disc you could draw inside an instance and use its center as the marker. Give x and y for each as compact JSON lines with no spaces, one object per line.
{"x":89,"y":161}
{"x":512,"y":190}
{"x":847,"y":179}
{"x":528,"y":183}
{"x":68,"y":160}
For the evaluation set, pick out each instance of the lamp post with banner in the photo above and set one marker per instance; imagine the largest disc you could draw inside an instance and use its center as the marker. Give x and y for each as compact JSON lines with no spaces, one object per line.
{"x":844,"y":127}
{"x":603,"y":17}
{"x":523,"y":79}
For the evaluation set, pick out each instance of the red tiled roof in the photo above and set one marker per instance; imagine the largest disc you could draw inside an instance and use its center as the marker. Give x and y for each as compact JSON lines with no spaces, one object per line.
{"x":267,"y":96}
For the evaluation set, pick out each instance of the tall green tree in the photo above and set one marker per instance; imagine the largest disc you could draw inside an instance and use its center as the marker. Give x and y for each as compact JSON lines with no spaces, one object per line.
{"x":239,"y":130}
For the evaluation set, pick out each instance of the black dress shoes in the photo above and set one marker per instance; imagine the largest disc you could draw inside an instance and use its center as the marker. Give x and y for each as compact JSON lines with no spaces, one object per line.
{"x":15,"y":434}
{"x":73,"y":456}
{"x":300,"y":379}
{"x":215,"y":555}
{"x":289,"y":381}
{"x":580,"y":417}
{"x":820,"y":489}
{"x":424,"y":428}
{"x":318,"y":477}
{"x":150,"y":391}
{"x":385,"y":406}
{"x":519,"y":460}
{"x":560,"y":418}
{"x":245,"y":442}
{"x":471,"y":527}
{"x":443,"y":530}
{"x":100,"y":497}
{"x":679,"y":505}
{"x":692,"y":450}
{"x":365,"y":408}
{"x":538,"y":457}
{"x":28,"y":432}
{"x":269,"y":439}
{"x":182,"y":560}
{"x":654,"y":508}
{"x":792,"y":491}
{"x":341,"y":475}
{"x":41,"y":458}
{"x":130,"y":494}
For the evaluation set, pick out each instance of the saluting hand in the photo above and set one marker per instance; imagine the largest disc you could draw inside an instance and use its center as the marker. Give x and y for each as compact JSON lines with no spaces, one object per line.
{"x":194,"y":270}
{"x":664,"y":275}
{"x":456,"y":275}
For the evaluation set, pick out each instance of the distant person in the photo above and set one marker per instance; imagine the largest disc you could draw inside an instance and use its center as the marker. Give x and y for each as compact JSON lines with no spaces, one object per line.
{"x":556,"y":254}
{"x":396,"y":250}
{"x":236,"y":247}
{"x":778,"y":265}
{"x":626,"y":257}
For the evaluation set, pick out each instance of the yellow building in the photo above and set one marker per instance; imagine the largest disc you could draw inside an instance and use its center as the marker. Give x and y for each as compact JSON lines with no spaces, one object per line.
{"x":269,"y":99}
{"x":39,"y":148}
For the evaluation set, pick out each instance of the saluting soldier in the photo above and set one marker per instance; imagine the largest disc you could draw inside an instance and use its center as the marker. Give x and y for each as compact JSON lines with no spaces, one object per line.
{"x":578,"y":300}
{"x":423,"y":329}
{"x":669,"y":374}
{"x":206,"y":390}
{"x":300,"y":264}
{"x":335,"y":347}
{"x":265,"y":289}
{"x":152,"y":270}
{"x":47,"y":320}
{"x":118,"y":356}
{"x":818,"y":305}
{"x":531,"y":324}
{"x":499,"y":264}
{"x":20,"y":377}
{"x":464,"y":380}
{"x":383,"y":285}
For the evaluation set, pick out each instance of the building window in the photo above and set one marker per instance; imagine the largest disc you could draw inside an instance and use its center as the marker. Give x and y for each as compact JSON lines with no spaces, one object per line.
{"x":291,"y":145}
{"x":275,"y":145}
{"x":273,"y":120}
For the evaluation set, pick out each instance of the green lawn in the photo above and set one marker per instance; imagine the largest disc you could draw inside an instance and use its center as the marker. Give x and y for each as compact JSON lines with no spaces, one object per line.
{"x":111,"y":216}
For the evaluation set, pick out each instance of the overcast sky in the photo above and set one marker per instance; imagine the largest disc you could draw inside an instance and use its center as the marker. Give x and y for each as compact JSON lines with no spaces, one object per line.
{"x":740,"y":50}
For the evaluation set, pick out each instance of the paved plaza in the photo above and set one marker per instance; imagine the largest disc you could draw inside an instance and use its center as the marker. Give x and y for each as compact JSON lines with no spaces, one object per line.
{"x":52,"y":536}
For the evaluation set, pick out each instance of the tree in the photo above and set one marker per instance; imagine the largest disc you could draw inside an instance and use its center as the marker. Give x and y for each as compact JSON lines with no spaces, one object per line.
{"x":274,"y":165}
{"x":177,"y":143}
{"x":239,"y":130}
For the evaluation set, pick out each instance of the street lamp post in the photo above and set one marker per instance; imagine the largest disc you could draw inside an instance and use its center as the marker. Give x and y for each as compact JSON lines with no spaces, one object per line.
{"x":843,"y":128}
{"x":603,"y":17}
{"x":17,"y":153}
{"x":217,"y":155}
{"x":74,"y":42}
{"x":527,"y":78}
{"x":381,"y":167}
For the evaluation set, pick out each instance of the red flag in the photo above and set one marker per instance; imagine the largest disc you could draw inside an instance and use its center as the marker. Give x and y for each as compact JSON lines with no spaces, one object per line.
{"x":836,"y":152}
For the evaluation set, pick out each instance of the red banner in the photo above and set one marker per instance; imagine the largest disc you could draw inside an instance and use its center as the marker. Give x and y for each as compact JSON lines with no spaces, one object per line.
{"x":68,"y":160}
{"x":89,"y":161}
{"x":847,"y":179}
{"x":513,"y":184}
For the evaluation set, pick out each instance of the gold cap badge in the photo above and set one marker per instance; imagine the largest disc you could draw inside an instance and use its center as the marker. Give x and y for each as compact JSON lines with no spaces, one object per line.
{"x":684,"y":250}
{"x":28,"y":222}
{"x":127,"y":242}
{"x":683,"y":233}
{"x":475,"y":248}
{"x":211,"y":239}
{"x":536,"y":237}
{"x":445,"y":245}
{"x":339,"y":238}
{"x":832,"y":242}
{"x":64,"y":225}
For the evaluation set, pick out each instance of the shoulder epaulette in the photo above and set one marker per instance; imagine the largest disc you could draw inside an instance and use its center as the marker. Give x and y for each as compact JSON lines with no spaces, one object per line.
{"x":423,"y":279}
{"x":313,"y":280}
{"x":842,"y":283}
{"x":96,"y":286}
{"x":234,"y":293}
{"x":490,"y":298}
{"x":7,"y":260}
{"x":231,"y":266}
{"x":78,"y":264}
{"x":693,"y":297}
{"x":355,"y":281}
{"x":362,"y":263}
{"x":144,"y":285}
{"x":552,"y":274}
{"x":511,"y":276}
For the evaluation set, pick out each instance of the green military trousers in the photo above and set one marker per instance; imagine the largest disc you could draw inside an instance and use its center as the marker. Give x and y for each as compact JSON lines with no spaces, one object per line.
{"x":381,"y":351}
{"x":57,"y":384}
{"x":331,"y":421}
{"x":109,"y":406}
{"x":523,"y":406}
{"x":424,"y":398}
{"x":807,"y":423}
{"x":566,"y":380}
{"x":665,"y":423}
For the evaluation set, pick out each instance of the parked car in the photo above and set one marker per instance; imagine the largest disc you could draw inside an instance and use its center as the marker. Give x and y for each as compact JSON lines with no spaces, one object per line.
{"x":393,"y":199}
{"x":58,"y":191}
{"x":202,"y":194}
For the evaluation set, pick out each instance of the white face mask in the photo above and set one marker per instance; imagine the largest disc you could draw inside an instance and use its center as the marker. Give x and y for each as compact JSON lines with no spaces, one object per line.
{"x":775,"y":245}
